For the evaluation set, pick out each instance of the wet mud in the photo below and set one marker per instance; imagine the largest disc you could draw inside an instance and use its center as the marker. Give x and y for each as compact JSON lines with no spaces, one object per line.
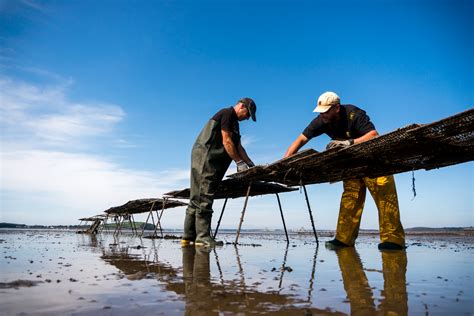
{"x":57,"y":273}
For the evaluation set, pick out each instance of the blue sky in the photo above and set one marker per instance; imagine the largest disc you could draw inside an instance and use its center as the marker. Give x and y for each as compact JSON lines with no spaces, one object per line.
{"x":101,"y":101}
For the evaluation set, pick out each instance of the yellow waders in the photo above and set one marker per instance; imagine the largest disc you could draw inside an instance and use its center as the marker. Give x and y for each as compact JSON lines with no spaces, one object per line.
{"x":384,"y":192}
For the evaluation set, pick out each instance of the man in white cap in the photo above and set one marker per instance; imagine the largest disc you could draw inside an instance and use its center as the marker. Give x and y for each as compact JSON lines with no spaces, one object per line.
{"x":348,"y":125}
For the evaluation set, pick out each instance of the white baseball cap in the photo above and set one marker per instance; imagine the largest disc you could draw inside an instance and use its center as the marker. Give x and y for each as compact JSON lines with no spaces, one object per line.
{"x":326,"y":100}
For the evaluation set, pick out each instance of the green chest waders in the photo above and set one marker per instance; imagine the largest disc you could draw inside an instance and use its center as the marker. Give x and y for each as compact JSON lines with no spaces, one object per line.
{"x":209,"y":162}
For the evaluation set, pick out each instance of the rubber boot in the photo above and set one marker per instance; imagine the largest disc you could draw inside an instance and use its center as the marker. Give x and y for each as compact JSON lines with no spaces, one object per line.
{"x":335,"y":244}
{"x":203,"y":231}
{"x":189,"y":234}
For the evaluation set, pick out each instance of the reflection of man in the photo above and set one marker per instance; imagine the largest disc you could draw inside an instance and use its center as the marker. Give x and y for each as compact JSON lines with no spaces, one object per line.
{"x":394,"y":296}
{"x":348,"y":125}
{"x":213,"y":151}
{"x":355,"y":282}
{"x":394,"y":266}
{"x":197,"y":280}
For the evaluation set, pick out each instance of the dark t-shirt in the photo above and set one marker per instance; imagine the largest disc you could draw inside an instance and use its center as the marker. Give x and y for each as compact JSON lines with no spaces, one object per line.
{"x":227,"y":118}
{"x":353,"y":123}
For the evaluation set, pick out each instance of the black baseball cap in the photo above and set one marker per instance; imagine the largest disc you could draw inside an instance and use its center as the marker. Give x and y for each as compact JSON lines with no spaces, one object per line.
{"x":251,"y":107}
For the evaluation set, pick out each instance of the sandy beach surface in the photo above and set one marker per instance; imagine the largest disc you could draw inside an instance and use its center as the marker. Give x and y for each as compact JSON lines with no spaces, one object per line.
{"x":48,"y":272}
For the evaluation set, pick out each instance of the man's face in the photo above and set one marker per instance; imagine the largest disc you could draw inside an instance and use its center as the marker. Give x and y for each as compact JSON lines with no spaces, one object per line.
{"x":242,"y":112}
{"x":331,"y":115}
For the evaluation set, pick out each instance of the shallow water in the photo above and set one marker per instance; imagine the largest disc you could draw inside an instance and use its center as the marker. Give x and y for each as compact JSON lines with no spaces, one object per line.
{"x":51,"y":272}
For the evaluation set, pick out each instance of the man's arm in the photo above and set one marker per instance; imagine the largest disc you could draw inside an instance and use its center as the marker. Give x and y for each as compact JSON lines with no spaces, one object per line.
{"x":244,"y":155}
{"x":366,"y":137}
{"x":348,"y":142}
{"x":230,"y":146}
{"x":296,"y":145}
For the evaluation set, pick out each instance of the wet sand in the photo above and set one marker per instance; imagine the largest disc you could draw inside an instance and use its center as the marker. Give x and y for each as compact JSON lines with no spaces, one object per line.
{"x":52,"y":272}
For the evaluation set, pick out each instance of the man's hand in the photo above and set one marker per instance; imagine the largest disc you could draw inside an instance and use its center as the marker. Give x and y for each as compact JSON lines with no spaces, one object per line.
{"x":340,"y":143}
{"x":242,"y":166}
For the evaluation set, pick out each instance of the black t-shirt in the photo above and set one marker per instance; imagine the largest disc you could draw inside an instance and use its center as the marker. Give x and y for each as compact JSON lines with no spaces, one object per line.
{"x":227,"y":118}
{"x":353,"y":123}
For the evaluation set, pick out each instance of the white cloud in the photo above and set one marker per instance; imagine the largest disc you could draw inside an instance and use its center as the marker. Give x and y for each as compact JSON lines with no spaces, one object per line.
{"x":32,"y":4}
{"x":76,"y":122}
{"x":45,"y":116}
{"x":248,"y":140}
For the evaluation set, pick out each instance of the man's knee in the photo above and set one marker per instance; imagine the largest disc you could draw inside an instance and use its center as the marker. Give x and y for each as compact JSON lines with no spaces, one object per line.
{"x":384,"y":181}
{"x":353,"y":185}
{"x":190,"y":210}
{"x":204,"y":212}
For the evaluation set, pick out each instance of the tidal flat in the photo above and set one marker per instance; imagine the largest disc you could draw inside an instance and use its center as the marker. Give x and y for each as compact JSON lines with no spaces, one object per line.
{"x":49,"y":272}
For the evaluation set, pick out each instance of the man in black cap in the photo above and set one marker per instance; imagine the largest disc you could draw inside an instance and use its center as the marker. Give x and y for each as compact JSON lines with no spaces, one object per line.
{"x":213,"y":151}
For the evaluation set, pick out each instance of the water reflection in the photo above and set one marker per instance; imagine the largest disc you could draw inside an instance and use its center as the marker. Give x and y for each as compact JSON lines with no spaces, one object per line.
{"x":137,"y":266}
{"x":202,"y":294}
{"x":207,"y":294}
{"x":357,"y":287}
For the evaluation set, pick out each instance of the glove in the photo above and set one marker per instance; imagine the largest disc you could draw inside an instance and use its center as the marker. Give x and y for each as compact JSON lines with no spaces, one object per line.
{"x":242,"y":166}
{"x":251,"y":164}
{"x":340,"y":143}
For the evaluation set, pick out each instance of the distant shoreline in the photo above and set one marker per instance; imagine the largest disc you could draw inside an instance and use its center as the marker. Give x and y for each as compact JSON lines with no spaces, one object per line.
{"x":425,"y":231}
